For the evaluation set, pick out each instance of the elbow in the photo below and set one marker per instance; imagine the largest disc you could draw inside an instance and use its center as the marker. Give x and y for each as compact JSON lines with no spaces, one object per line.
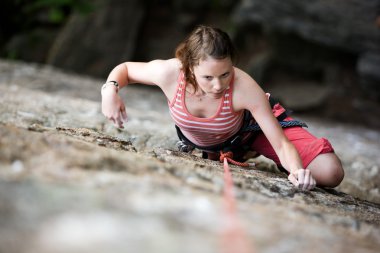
{"x":119,"y":74}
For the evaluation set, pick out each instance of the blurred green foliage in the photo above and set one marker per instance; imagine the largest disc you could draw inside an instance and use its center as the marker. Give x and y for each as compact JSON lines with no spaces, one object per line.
{"x":17,"y":16}
{"x":56,"y":10}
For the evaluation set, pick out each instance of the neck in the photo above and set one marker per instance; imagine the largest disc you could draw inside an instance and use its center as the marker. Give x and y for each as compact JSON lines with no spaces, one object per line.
{"x":198,"y":93}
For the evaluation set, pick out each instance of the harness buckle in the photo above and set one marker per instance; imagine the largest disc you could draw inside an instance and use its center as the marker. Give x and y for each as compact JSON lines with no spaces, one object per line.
{"x":184,"y":147}
{"x":236,"y":141}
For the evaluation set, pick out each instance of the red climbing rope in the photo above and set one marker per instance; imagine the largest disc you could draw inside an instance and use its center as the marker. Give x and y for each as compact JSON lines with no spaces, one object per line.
{"x":229,"y":156}
{"x":234,"y":239}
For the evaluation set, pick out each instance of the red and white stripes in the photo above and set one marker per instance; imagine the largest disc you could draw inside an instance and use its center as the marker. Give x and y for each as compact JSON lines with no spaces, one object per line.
{"x":206,"y":131}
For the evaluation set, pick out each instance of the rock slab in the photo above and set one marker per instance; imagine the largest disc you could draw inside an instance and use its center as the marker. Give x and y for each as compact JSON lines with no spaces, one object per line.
{"x":71,"y":182}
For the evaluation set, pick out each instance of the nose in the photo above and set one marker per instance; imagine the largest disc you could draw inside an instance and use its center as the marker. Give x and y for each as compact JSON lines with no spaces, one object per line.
{"x":218,"y":86}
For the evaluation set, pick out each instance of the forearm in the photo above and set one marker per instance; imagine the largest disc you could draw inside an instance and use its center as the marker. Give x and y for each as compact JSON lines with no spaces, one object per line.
{"x":289,"y":157}
{"x":300,"y":177}
{"x":112,"y":105}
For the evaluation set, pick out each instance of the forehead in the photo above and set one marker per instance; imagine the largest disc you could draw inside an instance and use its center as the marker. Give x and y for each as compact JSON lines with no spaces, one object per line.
{"x":213,"y":65}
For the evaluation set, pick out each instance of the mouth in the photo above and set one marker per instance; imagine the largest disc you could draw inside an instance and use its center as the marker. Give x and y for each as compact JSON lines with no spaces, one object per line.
{"x":216,"y":94}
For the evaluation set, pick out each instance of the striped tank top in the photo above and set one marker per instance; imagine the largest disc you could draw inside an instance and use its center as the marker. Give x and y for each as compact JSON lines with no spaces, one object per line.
{"x":205,"y":131}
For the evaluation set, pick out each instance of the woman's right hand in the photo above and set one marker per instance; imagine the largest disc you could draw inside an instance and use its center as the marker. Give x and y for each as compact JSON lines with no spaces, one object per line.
{"x":113,"y":107}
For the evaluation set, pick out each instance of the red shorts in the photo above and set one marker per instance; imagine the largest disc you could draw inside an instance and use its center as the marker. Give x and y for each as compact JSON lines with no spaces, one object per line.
{"x":307,"y":145}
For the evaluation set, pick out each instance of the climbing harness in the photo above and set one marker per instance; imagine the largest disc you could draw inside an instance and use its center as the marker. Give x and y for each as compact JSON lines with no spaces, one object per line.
{"x":238,"y":144}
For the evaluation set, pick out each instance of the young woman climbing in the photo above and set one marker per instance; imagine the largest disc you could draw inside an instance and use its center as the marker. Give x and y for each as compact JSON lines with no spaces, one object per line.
{"x":221,"y":110}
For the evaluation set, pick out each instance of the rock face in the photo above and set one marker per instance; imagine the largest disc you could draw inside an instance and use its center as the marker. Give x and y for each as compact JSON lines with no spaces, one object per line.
{"x":328,"y":22}
{"x":328,"y":50}
{"x":101,"y":40}
{"x":71,"y":182}
{"x":351,"y":26}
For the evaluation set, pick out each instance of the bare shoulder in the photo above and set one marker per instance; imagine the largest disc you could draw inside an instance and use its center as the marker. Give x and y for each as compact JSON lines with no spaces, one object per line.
{"x":243,"y":79}
{"x":247,"y":92}
{"x":168,"y":71}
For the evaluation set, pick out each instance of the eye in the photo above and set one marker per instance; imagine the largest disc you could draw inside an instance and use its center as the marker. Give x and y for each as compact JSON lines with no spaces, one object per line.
{"x":225,"y":74}
{"x":208,"y":78}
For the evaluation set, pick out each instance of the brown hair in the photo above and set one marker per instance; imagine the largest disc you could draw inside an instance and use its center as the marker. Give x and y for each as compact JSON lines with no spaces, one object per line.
{"x":203,"y":41}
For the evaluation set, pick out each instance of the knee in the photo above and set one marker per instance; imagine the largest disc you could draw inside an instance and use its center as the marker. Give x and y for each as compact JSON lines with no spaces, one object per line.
{"x":327,"y":170}
{"x":334,"y":173}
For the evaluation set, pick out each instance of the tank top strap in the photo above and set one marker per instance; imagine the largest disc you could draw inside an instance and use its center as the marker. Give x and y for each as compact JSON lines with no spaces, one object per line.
{"x":227,"y":99}
{"x":179,"y":93}
{"x":181,"y":84}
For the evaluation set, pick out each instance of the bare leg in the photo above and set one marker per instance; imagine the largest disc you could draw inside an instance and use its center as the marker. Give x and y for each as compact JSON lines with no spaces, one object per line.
{"x":327,"y":170}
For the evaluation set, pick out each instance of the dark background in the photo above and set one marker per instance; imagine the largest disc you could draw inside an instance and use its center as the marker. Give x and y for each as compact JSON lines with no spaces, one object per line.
{"x":318,"y":57}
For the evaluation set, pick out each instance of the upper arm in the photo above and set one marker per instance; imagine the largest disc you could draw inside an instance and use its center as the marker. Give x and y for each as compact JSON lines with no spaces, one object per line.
{"x":249,"y":95}
{"x":156,"y":72}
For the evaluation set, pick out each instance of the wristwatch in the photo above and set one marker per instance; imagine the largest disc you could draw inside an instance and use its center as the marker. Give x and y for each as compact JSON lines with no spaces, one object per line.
{"x":111,"y":82}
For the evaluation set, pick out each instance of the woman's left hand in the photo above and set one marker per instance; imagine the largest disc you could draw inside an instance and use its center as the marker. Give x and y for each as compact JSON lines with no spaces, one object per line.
{"x":302,"y":179}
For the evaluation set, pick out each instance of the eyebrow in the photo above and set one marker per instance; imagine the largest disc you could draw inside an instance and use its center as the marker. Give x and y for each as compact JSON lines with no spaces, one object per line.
{"x":220,"y":75}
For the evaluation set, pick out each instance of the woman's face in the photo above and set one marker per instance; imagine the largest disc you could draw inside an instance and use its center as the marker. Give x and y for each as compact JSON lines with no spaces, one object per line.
{"x":214,"y":75}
